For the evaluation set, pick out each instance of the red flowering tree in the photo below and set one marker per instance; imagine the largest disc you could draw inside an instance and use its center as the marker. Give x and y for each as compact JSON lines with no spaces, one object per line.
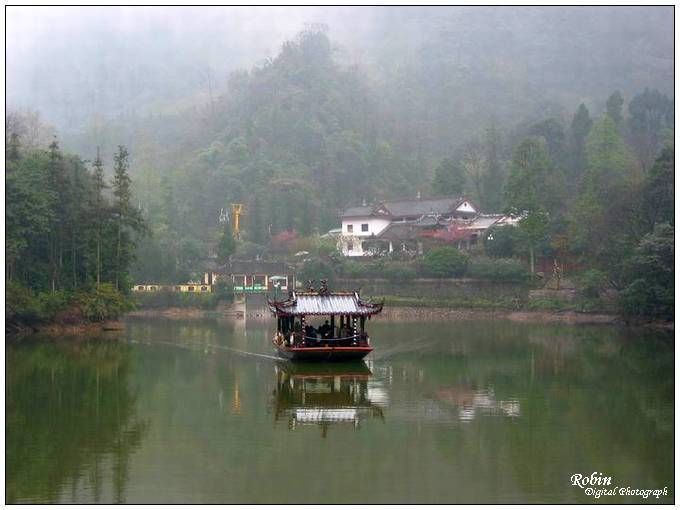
{"x":284,"y":241}
{"x":451,"y":234}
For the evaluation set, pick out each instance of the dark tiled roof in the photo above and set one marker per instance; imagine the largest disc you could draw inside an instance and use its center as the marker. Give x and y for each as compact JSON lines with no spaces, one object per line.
{"x":399,"y":231}
{"x":420,"y":207}
{"x":408,"y":208}
{"x":363,"y":210}
{"x":427,"y":221}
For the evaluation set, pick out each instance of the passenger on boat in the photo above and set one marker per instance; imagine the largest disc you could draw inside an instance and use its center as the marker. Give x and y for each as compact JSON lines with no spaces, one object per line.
{"x":310,"y":335}
{"x":325,"y":330}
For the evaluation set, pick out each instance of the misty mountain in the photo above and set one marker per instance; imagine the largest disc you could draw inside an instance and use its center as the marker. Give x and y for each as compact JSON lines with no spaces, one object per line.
{"x":438,"y":64}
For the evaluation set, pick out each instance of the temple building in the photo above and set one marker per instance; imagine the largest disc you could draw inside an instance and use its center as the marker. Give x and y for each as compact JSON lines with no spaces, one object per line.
{"x":412,"y":225}
{"x":254,"y":276}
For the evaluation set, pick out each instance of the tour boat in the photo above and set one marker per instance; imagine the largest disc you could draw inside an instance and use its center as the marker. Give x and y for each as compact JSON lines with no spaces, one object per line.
{"x":341,"y":338}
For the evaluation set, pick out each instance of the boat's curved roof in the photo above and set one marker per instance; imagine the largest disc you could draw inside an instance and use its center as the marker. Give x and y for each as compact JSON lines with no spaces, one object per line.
{"x":324,"y":303}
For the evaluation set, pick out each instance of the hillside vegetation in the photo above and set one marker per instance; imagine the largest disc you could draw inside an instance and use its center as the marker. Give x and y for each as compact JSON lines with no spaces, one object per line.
{"x":306,"y":133}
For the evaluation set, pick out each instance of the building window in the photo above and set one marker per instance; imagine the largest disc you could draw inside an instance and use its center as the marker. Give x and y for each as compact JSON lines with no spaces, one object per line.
{"x":204,"y":288}
{"x":364,"y":227}
{"x":191,"y":289}
{"x":350,"y":228}
{"x":350,"y":246}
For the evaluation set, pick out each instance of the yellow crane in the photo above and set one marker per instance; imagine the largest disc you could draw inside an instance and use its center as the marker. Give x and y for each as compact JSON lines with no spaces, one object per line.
{"x":236,"y":212}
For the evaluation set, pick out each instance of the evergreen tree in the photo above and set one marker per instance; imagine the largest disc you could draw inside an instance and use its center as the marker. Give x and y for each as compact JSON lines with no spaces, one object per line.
{"x":12,"y":147}
{"x":127,"y":217}
{"x":226,"y":244}
{"x":492,"y":182}
{"x":553,"y":133}
{"x":657,"y":197}
{"x":449,"y":178}
{"x":615,"y":108}
{"x":57,"y":200}
{"x":29,"y":211}
{"x":79,"y":216}
{"x":580,"y":127}
{"x":602,"y":215}
{"x":607,"y":156}
{"x":533,"y":192}
{"x":651,"y":115}
{"x":306,"y":220}
{"x":100,"y":211}
{"x":534,"y":182}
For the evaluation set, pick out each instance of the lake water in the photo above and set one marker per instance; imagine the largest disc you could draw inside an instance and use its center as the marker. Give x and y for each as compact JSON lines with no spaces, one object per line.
{"x":176,"y":411}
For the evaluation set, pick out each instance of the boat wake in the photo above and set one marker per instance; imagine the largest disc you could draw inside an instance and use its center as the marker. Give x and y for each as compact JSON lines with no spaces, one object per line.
{"x":418,"y":344}
{"x":207,"y":347}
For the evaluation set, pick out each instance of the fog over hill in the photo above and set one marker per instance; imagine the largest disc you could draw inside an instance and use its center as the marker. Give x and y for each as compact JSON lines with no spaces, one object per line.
{"x":76,"y":64}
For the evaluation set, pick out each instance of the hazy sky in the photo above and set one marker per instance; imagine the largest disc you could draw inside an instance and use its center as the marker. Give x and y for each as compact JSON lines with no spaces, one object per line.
{"x":74,"y":63}
{"x":223,"y":38}
{"x":35,"y":32}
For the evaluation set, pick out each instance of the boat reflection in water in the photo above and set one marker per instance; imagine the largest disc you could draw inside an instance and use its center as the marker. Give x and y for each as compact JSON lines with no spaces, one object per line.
{"x":324,"y":394}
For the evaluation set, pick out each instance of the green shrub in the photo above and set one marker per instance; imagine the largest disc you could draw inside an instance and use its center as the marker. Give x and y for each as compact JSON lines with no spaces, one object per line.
{"x":591,"y":283}
{"x":207,"y":301}
{"x":103,"y":303}
{"x":445,"y":262}
{"x":21,"y":304}
{"x":223,"y":291}
{"x":503,"y":242}
{"x":326,"y":247}
{"x":651,"y":273}
{"x":248,"y":250}
{"x":642,"y":299}
{"x":399,"y":271}
{"x":316,"y":270}
{"x":499,"y":270}
{"x":169,"y":299}
{"x":52,"y":303}
{"x":352,"y":269}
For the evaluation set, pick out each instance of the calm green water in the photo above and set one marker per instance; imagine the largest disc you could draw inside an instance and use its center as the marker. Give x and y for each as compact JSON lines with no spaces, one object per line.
{"x":468,"y":411}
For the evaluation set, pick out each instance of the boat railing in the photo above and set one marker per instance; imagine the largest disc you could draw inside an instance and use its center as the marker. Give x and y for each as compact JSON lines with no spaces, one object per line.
{"x":317,"y":338}
{"x":358,"y":339}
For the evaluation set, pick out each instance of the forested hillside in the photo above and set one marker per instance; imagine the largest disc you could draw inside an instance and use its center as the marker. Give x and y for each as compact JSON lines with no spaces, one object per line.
{"x":304,"y":134}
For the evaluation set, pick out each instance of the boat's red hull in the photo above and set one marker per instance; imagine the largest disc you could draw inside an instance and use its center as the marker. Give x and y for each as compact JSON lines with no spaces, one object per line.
{"x":323,"y":353}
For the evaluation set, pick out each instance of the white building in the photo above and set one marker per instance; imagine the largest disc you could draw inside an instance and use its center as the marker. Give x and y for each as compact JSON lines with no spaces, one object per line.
{"x":363,"y":224}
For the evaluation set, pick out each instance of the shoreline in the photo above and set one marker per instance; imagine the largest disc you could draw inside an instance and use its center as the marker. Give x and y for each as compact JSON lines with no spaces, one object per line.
{"x":54,"y":329}
{"x":186,"y":313}
{"x":403,"y":313}
{"x":396,"y":313}
{"x":532,"y":316}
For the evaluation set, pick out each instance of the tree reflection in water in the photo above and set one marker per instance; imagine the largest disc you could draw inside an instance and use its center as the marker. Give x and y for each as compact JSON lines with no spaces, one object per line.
{"x":325,"y":394}
{"x":71,"y":421}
